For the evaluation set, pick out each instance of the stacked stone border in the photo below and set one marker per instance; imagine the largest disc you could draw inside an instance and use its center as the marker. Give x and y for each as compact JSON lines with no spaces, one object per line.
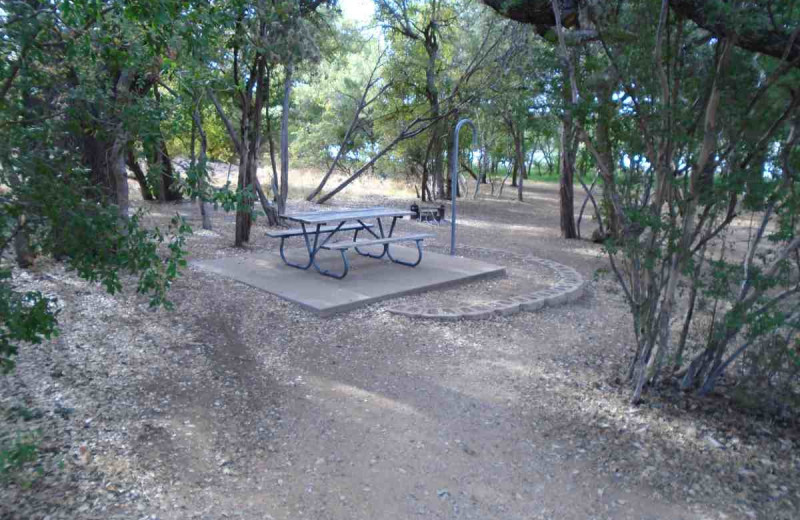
{"x":569,"y":287}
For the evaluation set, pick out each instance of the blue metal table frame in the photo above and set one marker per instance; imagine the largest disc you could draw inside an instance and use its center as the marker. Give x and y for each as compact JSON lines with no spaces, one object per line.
{"x":317,"y":219}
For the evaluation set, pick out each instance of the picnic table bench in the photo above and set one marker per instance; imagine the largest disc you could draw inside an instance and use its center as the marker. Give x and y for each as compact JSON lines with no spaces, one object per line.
{"x":313,"y":225}
{"x":298,"y":232}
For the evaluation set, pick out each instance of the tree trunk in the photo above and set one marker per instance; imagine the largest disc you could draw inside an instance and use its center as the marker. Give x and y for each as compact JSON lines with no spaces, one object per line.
{"x":244,"y":218}
{"x":199,"y":165}
{"x":106,"y":163}
{"x":270,"y":140}
{"x":426,"y":192}
{"x":168,"y":175}
{"x":22,"y":245}
{"x":514,"y":167}
{"x":432,"y":93}
{"x":284,"y":187}
{"x":424,"y":183}
{"x":451,"y":178}
{"x":120,"y":174}
{"x":141,"y":178}
{"x":519,"y":150}
{"x":606,"y":111}
{"x":167,"y":187}
{"x":262,"y":93}
{"x":567,"y":163}
{"x":437,"y":163}
{"x":528,"y":172}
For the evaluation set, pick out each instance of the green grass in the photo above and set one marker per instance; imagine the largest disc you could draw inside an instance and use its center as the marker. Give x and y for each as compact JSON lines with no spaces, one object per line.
{"x":538,"y":174}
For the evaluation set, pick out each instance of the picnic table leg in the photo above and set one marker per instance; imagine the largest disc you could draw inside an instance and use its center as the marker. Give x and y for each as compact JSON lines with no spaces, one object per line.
{"x":403,"y":262}
{"x":311,"y":251}
{"x":367,"y":229}
{"x":345,"y":270}
{"x":318,"y":246}
{"x":385,"y":248}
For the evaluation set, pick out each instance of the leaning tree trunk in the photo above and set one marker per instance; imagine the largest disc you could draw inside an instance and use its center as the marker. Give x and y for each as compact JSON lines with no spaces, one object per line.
{"x":141,"y":178}
{"x":168,"y":188}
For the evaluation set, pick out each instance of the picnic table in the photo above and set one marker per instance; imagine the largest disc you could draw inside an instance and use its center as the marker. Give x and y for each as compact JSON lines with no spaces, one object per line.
{"x":318,"y":228}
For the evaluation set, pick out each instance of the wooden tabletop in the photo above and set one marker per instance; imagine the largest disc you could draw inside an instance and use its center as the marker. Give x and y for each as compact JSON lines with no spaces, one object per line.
{"x":323,"y":217}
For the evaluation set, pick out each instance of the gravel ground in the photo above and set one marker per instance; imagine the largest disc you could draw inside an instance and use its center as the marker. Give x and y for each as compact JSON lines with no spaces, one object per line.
{"x":521,"y":278}
{"x":240,"y":405}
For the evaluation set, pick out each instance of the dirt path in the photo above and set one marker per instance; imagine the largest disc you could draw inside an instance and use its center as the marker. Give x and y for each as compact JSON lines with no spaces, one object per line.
{"x":240,"y":405}
{"x":431,"y":423}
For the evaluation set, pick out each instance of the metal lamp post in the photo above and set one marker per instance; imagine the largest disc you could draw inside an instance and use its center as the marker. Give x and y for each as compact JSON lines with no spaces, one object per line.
{"x":454,"y":177}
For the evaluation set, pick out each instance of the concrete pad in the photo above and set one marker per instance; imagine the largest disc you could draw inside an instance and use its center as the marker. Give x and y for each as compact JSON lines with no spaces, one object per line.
{"x":368,"y":281}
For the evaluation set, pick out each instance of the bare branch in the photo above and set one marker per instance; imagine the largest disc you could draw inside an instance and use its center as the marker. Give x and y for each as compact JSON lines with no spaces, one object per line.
{"x":227,"y":122}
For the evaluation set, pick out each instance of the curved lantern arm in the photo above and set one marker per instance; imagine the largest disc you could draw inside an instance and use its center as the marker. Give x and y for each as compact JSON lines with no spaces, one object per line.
{"x":454,"y":177}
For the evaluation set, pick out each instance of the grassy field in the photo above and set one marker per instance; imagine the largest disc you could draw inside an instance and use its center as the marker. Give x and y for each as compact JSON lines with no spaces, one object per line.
{"x":538,"y":173}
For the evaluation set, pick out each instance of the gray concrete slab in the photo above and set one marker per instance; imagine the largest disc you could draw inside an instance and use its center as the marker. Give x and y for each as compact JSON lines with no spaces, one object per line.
{"x":369,"y":280}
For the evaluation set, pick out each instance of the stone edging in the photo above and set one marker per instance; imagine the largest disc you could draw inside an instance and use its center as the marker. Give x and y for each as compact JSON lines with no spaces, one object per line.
{"x":568,"y":288}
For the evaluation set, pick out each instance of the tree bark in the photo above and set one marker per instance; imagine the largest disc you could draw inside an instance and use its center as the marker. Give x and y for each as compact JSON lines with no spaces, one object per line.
{"x":270,"y":140}
{"x":521,"y":180}
{"x":605,"y":148}
{"x":432,"y":93}
{"x":426,"y":192}
{"x":141,"y":178}
{"x":168,"y":188}
{"x":514,"y":167}
{"x":22,"y":245}
{"x":119,"y":173}
{"x":757,"y":35}
{"x":105,"y":156}
{"x":256,"y":137}
{"x":168,"y":175}
{"x":567,"y":165}
{"x":519,"y":150}
{"x":244,"y":216}
{"x":199,"y":165}
{"x":284,"y":187}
